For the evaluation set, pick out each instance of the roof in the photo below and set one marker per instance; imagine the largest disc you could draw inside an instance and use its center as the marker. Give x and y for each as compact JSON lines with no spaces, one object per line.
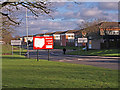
{"x":40,"y":34}
{"x":72,"y":31}
{"x":28,"y":36}
{"x":59,"y":32}
{"x":109,"y":25}
{"x":49,"y":33}
{"x":14,"y":38}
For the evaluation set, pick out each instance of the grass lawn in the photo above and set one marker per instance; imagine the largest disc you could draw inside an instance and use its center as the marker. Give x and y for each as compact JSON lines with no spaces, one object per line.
{"x":7,"y":49}
{"x":106,"y":52}
{"x":19,"y":72}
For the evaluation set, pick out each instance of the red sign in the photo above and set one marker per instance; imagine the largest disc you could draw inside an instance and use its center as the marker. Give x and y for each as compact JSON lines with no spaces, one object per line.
{"x":43,"y":42}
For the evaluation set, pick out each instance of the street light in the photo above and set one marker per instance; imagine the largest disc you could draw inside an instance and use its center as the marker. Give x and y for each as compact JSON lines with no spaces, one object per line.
{"x":27,"y":35}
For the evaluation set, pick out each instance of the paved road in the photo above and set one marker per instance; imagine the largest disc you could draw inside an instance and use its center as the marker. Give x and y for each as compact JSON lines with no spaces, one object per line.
{"x":57,"y":55}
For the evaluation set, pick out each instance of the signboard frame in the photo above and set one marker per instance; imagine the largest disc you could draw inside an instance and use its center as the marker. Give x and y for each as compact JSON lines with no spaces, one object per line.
{"x":16,"y":42}
{"x":47,"y":40}
{"x":47,"y":44}
{"x":82,"y":40}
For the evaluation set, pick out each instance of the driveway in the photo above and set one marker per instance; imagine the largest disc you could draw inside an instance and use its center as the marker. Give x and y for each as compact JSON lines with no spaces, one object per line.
{"x":57,"y":55}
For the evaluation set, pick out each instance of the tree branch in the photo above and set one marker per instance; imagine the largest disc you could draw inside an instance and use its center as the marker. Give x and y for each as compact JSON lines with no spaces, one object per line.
{"x":32,"y":6}
{"x":9,"y":18}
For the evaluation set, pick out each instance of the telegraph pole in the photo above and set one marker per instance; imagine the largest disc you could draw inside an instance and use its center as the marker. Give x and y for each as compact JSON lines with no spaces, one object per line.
{"x":27,"y":35}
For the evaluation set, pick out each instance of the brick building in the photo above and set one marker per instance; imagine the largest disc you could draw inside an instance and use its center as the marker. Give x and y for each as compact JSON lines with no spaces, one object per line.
{"x":106,"y":35}
{"x":57,"y":38}
{"x":29,"y":38}
{"x":69,"y":38}
{"x":110,"y":32}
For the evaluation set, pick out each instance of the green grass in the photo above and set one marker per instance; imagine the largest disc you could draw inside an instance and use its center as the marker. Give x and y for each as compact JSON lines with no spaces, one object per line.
{"x":106,"y":52}
{"x":6,"y":48}
{"x":17,"y":52}
{"x":19,"y":72}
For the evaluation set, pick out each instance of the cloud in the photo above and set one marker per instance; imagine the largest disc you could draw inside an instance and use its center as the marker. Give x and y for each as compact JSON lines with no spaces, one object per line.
{"x":91,"y":12}
{"x":112,"y":17}
{"x":44,"y":31}
{"x":67,"y":18}
{"x":108,"y":5}
{"x":42,"y":26}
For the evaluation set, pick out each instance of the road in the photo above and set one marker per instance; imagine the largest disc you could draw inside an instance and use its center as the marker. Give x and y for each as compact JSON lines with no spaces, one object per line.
{"x":57,"y":55}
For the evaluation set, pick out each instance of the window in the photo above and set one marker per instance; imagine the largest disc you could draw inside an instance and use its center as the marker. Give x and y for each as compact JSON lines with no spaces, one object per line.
{"x":72,"y":36}
{"x":71,"y":40}
{"x":56,"y":36}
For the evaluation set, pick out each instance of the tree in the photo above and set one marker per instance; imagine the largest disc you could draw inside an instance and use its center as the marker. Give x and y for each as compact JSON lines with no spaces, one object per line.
{"x":6,"y":30}
{"x":91,"y":29}
{"x":8,"y":20}
{"x":36,"y":7}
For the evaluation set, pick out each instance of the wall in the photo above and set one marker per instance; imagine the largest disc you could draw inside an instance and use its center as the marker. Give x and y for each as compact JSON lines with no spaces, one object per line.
{"x":70,"y":39}
{"x":29,"y":38}
{"x":63,"y":40}
{"x":56,"y":36}
{"x":95,"y":44}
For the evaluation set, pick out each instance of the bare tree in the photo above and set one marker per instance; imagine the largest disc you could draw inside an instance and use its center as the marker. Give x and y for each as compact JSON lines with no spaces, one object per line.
{"x":8,"y":20}
{"x":35,"y":7}
{"x":7,"y":37}
{"x":91,"y":28}
{"x":7,"y":29}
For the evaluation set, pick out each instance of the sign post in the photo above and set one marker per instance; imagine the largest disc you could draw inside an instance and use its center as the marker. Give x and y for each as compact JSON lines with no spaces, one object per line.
{"x":48,"y":55}
{"x":37,"y":55}
{"x":16,"y":43}
{"x":82,"y":40}
{"x":43,"y":42}
{"x":20,"y":49}
{"x":12,"y":49}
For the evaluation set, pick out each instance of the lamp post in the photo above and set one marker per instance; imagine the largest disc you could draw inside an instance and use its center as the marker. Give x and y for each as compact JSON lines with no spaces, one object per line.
{"x":27,"y":35}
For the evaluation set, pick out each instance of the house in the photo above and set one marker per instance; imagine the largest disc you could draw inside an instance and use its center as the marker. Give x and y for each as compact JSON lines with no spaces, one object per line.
{"x":44,"y":34}
{"x":39,"y":34}
{"x":21,"y":38}
{"x":57,"y":38}
{"x":48,"y":34}
{"x":104,"y":35}
{"x":69,"y":38}
{"x":99,"y":36}
{"x":29,"y":38}
{"x":110,"y":32}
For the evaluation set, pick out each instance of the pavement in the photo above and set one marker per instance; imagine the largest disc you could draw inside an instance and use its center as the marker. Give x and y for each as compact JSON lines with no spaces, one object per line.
{"x":58,"y":56}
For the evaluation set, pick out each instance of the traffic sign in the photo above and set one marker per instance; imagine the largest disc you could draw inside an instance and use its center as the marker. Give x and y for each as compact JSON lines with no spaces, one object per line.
{"x":41,"y":42}
{"x":16,"y":42}
{"x":82,"y":40}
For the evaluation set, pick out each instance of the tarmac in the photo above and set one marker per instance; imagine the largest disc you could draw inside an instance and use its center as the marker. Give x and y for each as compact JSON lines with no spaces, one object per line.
{"x":97,"y":61}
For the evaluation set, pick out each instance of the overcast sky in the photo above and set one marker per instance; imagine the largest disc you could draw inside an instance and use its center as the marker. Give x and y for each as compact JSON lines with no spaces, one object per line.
{"x":67,"y":16}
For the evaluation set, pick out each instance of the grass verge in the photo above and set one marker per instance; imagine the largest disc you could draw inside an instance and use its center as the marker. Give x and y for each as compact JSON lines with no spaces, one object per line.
{"x":7,"y":49}
{"x":19,"y":72}
{"x":106,"y":52}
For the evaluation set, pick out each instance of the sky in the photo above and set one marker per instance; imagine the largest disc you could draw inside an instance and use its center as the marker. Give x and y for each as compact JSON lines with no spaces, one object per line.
{"x":67,"y":16}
